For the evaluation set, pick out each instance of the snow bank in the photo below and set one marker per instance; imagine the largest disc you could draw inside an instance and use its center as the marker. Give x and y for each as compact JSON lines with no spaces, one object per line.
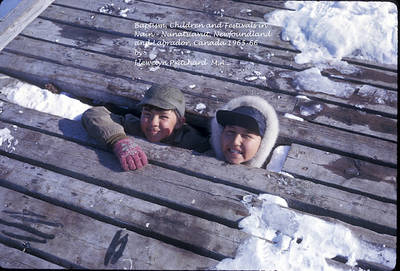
{"x":33,"y":97}
{"x":325,"y":31}
{"x":285,"y":240}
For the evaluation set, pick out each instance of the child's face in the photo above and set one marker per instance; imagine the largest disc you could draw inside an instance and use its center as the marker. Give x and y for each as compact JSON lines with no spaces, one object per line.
{"x":158,"y":124}
{"x":238,"y":144}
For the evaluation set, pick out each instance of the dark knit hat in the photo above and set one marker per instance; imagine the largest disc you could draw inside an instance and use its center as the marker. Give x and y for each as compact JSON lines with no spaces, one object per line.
{"x":244,"y":116}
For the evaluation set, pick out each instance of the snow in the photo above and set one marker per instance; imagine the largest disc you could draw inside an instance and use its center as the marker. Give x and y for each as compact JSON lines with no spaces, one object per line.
{"x":310,"y":109}
{"x":278,"y":158}
{"x":281,"y":239}
{"x":33,"y":97}
{"x":7,"y":138}
{"x":200,"y":107}
{"x":293,"y":117}
{"x":329,"y":30}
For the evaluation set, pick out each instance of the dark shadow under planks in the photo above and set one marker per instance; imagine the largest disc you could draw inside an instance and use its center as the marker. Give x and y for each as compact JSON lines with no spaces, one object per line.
{"x":83,"y":241}
{"x":11,"y":258}
{"x":145,"y":218}
{"x":342,"y":172}
{"x":302,"y":195}
{"x":367,"y":150}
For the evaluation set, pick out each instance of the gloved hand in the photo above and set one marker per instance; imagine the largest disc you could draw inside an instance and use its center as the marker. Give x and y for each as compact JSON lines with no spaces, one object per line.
{"x":130,"y":155}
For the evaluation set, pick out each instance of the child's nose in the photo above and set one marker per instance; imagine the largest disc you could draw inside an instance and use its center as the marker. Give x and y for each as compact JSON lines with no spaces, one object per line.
{"x":154,"y":121}
{"x":237,"y":140}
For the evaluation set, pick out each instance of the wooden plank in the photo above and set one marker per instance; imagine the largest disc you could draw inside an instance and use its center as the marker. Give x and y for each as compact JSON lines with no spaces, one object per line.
{"x":306,"y":133}
{"x":372,"y":76}
{"x":302,"y":195}
{"x":24,"y":13}
{"x":366,"y":123}
{"x":283,"y":80}
{"x":105,"y":24}
{"x":366,"y":75}
{"x":223,"y":8}
{"x":340,"y":142}
{"x":381,"y":78}
{"x":276,"y":4}
{"x":145,"y":12}
{"x":84,"y":241}
{"x":362,"y":146}
{"x":12,"y":258}
{"x":366,"y":63}
{"x":161,"y":186}
{"x":374,"y":180}
{"x":76,"y":196}
{"x":131,"y":78}
{"x":346,"y":118}
{"x":195,"y":234}
{"x":58,"y":193}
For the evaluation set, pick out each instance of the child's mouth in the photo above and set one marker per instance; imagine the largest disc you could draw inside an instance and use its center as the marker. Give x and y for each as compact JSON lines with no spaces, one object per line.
{"x":235,"y":151}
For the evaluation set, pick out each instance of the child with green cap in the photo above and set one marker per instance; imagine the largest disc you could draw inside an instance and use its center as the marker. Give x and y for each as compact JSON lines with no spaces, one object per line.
{"x":162,"y":120}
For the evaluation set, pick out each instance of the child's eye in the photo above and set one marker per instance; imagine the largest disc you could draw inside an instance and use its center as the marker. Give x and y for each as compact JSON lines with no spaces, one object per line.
{"x":146,"y":114}
{"x":163,"y":117}
{"x":247,"y":136}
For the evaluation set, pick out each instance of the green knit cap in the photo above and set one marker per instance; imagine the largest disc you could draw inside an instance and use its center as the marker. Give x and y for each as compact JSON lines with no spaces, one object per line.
{"x":165,"y":97}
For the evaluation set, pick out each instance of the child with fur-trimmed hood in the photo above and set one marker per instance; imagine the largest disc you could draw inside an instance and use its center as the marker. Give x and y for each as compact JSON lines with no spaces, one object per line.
{"x":244,"y":131}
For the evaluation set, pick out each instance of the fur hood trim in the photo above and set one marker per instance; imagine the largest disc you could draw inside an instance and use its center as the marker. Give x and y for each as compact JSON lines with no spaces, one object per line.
{"x":271,"y":132}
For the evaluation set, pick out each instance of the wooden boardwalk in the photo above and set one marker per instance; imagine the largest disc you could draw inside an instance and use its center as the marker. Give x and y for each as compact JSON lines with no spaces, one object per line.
{"x":65,"y":202}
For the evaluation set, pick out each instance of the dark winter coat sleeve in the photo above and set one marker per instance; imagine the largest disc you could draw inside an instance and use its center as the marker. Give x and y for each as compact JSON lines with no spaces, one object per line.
{"x":106,"y":127}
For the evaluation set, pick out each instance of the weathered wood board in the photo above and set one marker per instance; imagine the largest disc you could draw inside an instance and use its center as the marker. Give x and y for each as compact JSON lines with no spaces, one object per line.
{"x":74,"y":240}
{"x":144,"y":11}
{"x":345,"y":172}
{"x":346,"y":118}
{"x":45,"y":29}
{"x":162,"y":186}
{"x":11,"y":258}
{"x":362,"y":146}
{"x":199,"y":235}
{"x":65,"y":198}
{"x":281,"y":79}
{"x":57,"y":189}
{"x":373,"y":76}
{"x":302,"y":195}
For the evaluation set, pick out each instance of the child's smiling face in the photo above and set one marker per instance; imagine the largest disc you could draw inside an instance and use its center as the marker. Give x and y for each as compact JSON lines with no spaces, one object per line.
{"x":239,"y":145}
{"x":158,"y":124}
